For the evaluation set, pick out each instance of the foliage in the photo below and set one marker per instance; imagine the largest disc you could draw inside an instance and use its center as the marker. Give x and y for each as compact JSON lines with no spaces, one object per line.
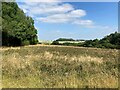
{"x":18,"y":29}
{"x":111,"y":41}
{"x":70,"y":44}
{"x":55,"y":43}
{"x":65,"y":39}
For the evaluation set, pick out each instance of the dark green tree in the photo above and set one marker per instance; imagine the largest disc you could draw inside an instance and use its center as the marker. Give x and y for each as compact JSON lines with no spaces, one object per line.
{"x":17,"y":28}
{"x":55,"y":43}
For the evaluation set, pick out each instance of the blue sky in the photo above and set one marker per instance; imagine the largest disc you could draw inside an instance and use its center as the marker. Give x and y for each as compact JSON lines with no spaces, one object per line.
{"x":77,"y":20}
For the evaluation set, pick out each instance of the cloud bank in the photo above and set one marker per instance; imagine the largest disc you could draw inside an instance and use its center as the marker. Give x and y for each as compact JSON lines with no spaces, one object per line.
{"x":55,"y":12}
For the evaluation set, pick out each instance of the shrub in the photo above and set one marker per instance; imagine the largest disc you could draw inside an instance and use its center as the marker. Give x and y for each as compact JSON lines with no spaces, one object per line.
{"x":25,"y":42}
{"x":55,"y":43}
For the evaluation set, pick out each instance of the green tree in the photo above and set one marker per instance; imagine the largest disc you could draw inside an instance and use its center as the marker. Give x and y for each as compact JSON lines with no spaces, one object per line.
{"x":55,"y":43}
{"x":18,"y":29}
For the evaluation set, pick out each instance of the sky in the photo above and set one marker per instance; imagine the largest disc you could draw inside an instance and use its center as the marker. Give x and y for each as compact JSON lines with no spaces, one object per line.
{"x":77,"y":20}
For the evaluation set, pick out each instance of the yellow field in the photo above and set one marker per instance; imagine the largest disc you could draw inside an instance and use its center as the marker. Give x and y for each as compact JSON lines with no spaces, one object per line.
{"x":49,"y":66}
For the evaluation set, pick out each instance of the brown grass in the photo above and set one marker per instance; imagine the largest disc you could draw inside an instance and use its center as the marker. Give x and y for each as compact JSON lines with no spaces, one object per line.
{"x":44,"y":66}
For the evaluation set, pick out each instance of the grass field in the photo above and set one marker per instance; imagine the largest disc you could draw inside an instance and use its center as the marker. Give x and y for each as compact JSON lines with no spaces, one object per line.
{"x":59,"y":67}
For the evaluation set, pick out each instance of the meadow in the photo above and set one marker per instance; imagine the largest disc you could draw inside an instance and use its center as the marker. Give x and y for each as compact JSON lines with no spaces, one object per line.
{"x":49,"y":66}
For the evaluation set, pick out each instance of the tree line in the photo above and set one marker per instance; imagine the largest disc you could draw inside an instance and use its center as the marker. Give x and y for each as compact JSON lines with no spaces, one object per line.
{"x":110,"y":41}
{"x":17,"y":28}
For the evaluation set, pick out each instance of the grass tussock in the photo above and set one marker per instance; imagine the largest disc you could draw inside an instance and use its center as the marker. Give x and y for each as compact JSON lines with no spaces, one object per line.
{"x":59,"y":67}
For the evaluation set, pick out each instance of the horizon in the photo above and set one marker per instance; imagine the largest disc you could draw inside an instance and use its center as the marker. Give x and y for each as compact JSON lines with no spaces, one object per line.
{"x":76,"y":20}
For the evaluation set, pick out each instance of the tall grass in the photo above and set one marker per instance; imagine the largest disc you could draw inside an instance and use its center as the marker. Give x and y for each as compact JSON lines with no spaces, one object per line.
{"x":59,"y":67}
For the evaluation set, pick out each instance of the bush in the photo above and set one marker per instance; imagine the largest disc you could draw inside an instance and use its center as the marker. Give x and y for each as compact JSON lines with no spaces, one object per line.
{"x":25,"y":42}
{"x":55,"y":43}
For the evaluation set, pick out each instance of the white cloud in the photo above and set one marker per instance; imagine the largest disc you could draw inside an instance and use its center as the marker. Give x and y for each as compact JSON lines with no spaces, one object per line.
{"x":53,"y":20}
{"x":87,"y":23}
{"x":55,"y":12}
{"x":63,"y":18}
{"x":72,"y":17}
{"x":45,"y":9}
{"x":77,"y":13}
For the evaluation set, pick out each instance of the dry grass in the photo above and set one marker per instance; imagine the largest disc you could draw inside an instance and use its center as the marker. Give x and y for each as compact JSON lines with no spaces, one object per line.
{"x":59,"y":66}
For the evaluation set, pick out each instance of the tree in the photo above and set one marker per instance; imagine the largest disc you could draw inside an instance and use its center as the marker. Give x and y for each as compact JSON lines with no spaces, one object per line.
{"x":55,"y":43}
{"x":18,"y":29}
{"x":65,"y":39}
{"x":88,"y":43}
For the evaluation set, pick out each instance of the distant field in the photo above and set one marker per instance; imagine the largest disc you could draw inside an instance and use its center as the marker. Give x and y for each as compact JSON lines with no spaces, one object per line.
{"x":44,"y":66}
